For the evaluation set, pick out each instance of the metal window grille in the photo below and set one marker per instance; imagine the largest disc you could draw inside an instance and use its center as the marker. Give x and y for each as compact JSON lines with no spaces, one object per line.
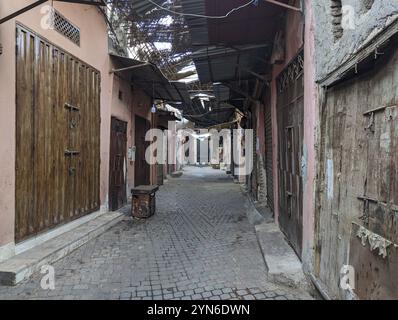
{"x":292,"y":72}
{"x":66,"y":28}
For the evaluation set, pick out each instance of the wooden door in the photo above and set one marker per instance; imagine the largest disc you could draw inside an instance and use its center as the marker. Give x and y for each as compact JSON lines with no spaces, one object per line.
{"x":57,"y":136}
{"x":118,"y":164}
{"x":290,"y":114}
{"x":142,"y":168}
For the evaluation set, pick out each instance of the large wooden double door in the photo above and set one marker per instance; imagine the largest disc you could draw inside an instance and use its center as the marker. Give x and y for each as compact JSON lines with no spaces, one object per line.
{"x":57,"y":136}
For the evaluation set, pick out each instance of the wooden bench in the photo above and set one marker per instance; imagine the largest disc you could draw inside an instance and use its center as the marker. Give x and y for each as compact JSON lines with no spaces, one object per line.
{"x":144,"y":201}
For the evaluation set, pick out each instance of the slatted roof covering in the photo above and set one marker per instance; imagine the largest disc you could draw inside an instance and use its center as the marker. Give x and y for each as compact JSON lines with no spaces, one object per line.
{"x":218,"y":64}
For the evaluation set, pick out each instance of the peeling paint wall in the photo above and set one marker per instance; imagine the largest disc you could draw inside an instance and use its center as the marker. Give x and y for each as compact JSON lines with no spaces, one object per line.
{"x":361,"y":25}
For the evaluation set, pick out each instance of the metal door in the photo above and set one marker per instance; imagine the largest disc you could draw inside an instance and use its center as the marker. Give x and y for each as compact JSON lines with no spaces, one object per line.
{"x":142,"y":168}
{"x":290,"y":114}
{"x":268,"y":151}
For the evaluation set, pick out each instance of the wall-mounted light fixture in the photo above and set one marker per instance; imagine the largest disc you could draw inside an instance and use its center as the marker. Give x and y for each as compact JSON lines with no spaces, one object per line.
{"x":1,"y":49}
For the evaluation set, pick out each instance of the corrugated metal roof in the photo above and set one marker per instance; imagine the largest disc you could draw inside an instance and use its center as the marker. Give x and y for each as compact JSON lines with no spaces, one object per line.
{"x":217,"y":64}
{"x":221,"y":92}
{"x":254,"y":24}
{"x":197,"y":26}
{"x":150,"y":79}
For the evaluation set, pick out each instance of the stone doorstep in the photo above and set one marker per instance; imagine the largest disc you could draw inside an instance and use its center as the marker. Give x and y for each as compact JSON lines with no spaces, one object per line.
{"x":282,"y":262}
{"x":23,"y":265}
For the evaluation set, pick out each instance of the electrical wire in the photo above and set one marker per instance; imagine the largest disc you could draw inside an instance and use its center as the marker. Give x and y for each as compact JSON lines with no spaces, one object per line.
{"x":203,"y":16}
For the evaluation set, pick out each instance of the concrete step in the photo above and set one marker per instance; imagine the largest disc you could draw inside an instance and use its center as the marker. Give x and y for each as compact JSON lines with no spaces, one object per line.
{"x":23,"y":265}
{"x":282,"y":262}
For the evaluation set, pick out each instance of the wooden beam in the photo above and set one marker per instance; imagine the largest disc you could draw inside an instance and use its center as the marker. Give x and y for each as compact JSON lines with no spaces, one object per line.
{"x":130,"y":68}
{"x":21,"y":11}
{"x":39,"y":2}
{"x":87,"y":2}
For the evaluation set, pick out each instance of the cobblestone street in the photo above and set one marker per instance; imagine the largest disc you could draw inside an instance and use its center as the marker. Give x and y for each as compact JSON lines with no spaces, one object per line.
{"x":199,"y":245}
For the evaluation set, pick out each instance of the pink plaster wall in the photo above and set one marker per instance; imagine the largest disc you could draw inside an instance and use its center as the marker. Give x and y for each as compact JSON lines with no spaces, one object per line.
{"x":311,"y":122}
{"x":93,"y":50}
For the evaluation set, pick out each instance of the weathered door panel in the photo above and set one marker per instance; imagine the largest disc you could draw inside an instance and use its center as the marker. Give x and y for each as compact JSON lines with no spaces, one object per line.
{"x":55,"y":123}
{"x":358,"y":181}
{"x":118,"y":161}
{"x":290,"y":117}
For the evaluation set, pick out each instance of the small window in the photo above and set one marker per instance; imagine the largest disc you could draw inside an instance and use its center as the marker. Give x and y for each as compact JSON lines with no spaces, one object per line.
{"x":120,"y":95}
{"x":66,"y":28}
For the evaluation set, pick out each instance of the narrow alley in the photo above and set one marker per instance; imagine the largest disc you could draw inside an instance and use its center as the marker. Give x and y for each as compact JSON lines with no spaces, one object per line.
{"x":199,"y":150}
{"x":180,"y":253}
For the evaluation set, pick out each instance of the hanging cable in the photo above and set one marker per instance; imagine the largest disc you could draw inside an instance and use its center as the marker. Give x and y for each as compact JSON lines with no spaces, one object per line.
{"x":203,"y":16}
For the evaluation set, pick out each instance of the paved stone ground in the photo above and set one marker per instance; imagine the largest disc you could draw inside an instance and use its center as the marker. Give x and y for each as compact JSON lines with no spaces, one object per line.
{"x":199,"y":245}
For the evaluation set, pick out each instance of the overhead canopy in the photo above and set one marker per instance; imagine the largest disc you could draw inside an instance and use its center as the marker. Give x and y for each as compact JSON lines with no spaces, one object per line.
{"x":218,"y":64}
{"x":253,"y":24}
{"x":233,"y":52}
{"x":221,"y":92}
{"x":152,"y":81}
{"x":197,"y":26}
